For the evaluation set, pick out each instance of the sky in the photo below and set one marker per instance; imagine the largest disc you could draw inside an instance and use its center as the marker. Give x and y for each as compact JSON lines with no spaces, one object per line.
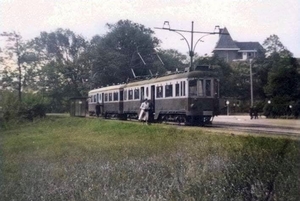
{"x":246,"y":20}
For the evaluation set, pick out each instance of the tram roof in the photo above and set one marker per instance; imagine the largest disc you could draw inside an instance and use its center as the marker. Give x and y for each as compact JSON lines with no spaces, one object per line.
{"x":191,"y":74}
{"x":108,"y":88}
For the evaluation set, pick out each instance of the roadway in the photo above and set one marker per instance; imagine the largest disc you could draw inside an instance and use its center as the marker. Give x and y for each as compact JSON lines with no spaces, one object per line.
{"x":262,"y":125}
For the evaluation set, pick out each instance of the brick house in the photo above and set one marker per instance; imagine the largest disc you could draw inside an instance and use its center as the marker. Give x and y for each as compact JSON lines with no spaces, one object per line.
{"x":231,"y":50}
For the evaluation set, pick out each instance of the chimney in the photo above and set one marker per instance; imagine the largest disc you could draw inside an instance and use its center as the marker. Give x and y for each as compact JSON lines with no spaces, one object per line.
{"x":220,"y":31}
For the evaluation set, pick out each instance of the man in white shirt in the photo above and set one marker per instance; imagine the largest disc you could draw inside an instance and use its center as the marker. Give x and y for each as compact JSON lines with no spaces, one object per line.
{"x":144,"y":114}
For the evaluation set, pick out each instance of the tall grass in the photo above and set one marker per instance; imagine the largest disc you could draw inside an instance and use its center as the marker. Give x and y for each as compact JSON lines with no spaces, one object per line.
{"x":91,"y":159}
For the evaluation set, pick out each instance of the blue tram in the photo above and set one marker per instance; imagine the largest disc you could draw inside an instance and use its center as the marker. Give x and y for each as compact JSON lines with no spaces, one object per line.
{"x":189,"y":97}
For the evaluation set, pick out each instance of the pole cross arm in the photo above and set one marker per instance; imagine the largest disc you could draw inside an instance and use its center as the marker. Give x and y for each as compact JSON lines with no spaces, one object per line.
{"x":190,"y":45}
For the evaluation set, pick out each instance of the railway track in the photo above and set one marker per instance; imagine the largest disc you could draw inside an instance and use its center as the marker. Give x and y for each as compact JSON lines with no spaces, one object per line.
{"x":242,"y":125}
{"x":274,"y":127}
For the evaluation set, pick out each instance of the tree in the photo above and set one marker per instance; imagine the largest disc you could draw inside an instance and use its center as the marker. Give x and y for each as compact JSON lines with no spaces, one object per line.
{"x":228,"y":84}
{"x":274,"y":46}
{"x":18,"y":61}
{"x":65,"y":68}
{"x":132,"y":46}
{"x":283,"y":86}
{"x":284,"y":80}
{"x":172,"y":60}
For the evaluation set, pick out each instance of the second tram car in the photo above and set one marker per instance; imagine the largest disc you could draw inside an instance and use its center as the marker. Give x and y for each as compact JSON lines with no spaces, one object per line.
{"x":190,"y":98}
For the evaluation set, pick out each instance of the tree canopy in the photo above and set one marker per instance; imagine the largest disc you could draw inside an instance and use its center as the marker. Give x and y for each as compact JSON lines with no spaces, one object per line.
{"x":61,"y":64}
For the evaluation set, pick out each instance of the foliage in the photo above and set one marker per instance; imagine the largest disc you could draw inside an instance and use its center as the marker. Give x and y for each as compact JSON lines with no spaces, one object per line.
{"x":281,"y":106}
{"x":228,"y":84}
{"x":283,"y":79}
{"x":275,"y":77}
{"x":283,"y":86}
{"x":65,"y":53}
{"x":61,"y":158}
{"x":20,"y":64}
{"x":172,"y":61}
{"x":273,"y":45}
{"x":9,"y":105}
{"x":61,"y":64}
{"x":126,"y":46}
{"x":15,"y":112}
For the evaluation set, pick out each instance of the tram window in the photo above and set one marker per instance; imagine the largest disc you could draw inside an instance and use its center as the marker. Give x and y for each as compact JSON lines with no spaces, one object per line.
{"x":136,"y":93}
{"x":208,"y":87}
{"x":216,"y":88}
{"x":130,"y":94}
{"x":125,"y":95}
{"x":181,"y":91}
{"x":121,"y":95}
{"x":147,"y":92}
{"x":98,"y":99}
{"x":200,"y":88}
{"x":110,"y":97}
{"x":169,"y":90}
{"x":193,"y":87}
{"x":105,"y":97}
{"x":182,"y":83}
{"x":116,"y":96}
{"x":177,"y":89}
{"x":159,"y":92}
{"x":95,"y":98}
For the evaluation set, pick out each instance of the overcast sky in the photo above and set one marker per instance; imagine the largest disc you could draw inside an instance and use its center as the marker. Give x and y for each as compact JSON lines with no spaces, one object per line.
{"x":246,"y":20}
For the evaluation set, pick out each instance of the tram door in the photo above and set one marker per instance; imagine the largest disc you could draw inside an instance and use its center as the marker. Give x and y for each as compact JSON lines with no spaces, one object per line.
{"x":142,"y":94}
{"x":102,"y":104}
{"x":121,"y":103}
{"x":152,"y":97}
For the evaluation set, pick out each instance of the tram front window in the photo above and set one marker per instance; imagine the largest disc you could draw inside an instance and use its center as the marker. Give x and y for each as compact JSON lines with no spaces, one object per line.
{"x":200,"y":88}
{"x":193,"y":87}
{"x":208,"y":87}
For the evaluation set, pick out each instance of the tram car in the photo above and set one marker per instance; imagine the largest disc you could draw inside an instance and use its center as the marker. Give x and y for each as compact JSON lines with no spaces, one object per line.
{"x":189,"y":97}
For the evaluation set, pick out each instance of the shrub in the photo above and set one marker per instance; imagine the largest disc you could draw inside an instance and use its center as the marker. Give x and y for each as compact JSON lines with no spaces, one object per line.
{"x":14,"y":112}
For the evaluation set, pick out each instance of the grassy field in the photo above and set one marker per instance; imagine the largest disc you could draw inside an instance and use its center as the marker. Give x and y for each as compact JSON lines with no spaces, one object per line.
{"x":63,"y":158}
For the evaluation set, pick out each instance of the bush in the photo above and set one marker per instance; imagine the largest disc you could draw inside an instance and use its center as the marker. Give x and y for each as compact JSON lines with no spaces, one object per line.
{"x":14,"y":112}
{"x":281,"y":106}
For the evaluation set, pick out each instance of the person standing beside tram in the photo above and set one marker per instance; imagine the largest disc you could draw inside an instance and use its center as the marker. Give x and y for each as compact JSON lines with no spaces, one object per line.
{"x":144,"y":113}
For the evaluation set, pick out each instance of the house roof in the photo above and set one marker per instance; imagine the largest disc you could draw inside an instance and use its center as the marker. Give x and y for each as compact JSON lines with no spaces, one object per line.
{"x":225,"y":41}
{"x":249,"y":45}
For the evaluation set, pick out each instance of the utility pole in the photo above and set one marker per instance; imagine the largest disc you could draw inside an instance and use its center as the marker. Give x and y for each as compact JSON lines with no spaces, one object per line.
{"x":251,"y":83}
{"x":192,"y":51}
{"x":191,"y":46}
